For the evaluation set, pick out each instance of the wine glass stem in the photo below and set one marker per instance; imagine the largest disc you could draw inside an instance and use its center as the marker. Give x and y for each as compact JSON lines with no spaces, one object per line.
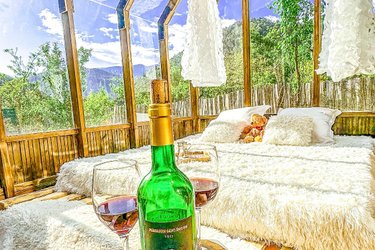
{"x":125,"y":242}
{"x":198,"y":215}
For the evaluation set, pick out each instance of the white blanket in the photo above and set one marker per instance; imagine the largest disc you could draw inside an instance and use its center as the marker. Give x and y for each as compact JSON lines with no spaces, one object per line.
{"x":315,"y":197}
{"x":72,"y":225}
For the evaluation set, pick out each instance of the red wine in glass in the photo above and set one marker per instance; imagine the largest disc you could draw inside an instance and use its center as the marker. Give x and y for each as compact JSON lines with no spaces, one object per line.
{"x":120,"y":214}
{"x":205,"y":190}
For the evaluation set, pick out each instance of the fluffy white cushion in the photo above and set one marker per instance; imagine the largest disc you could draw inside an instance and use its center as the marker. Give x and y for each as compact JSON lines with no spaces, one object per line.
{"x":289,"y":130}
{"x":227,"y":127}
{"x":323,"y":119}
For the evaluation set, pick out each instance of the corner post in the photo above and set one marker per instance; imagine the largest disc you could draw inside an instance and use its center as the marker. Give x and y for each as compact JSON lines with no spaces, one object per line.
{"x":194,"y":100}
{"x":66,"y":11}
{"x":316,"y":51}
{"x":123,"y":14}
{"x":163,"y":23}
{"x":246,"y":52}
{"x":5,"y":167}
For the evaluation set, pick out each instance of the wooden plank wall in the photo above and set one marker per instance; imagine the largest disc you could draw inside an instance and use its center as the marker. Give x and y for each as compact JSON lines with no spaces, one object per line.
{"x":348,"y":123}
{"x":2,"y":196}
{"x":106,"y":140}
{"x":37,"y":157}
{"x":182,"y":127}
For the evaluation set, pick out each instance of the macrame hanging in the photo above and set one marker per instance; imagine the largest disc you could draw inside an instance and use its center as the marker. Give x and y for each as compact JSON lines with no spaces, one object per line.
{"x":348,"y":42}
{"x":203,"y":58}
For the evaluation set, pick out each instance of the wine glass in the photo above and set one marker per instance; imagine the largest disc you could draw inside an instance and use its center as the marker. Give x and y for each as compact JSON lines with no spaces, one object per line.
{"x":114,"y":195}
{"x":200,"y":163}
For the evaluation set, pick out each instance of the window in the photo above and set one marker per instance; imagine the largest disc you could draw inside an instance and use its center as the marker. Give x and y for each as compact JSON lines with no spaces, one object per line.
{"x":34,"y":86}
{"x":99,"y":52}
{"x":281,"y":53}
{"x":181,"y":106}
{"x":354,"y":94}
{"x":145,"y":51}
{"x":230,"y":95}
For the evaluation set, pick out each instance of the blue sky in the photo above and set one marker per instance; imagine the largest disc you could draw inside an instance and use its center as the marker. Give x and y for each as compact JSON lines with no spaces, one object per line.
{"x":27,"y":24}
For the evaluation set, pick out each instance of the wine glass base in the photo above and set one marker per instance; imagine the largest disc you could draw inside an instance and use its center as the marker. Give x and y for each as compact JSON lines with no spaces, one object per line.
{"x":211,"y":245}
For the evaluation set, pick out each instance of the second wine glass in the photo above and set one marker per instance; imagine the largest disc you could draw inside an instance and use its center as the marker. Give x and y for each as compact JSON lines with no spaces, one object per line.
{"x":200,"y":163}
{"x":114,"y":195}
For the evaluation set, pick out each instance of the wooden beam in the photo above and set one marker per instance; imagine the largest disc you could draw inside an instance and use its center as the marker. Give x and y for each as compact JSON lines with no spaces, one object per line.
{"x":66,"y":10}
{"x":26,"y":197}
{"x":316,"y":51}
{"x":163,"y":23}
{"x":35,"y":136}
{"x":123,"y":14}
{"x":246,"y":51}
{"x":6,"y":172}
{"x":194,"y":100}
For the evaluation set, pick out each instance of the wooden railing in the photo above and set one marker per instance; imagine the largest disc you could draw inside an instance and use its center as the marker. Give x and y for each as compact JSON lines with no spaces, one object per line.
{"x":348,"y":123}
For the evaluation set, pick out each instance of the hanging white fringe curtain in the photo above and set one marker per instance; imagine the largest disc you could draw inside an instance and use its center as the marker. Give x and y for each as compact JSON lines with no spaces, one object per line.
{"x":348,"y":43}
{"x":203,"y":57}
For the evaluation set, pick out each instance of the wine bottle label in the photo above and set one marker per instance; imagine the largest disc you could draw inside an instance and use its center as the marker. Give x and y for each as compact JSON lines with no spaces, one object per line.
{"x":177,"y":235}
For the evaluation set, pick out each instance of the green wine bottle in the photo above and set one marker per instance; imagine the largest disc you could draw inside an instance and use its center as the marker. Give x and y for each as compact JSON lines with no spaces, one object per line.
{"x":165,"y":195}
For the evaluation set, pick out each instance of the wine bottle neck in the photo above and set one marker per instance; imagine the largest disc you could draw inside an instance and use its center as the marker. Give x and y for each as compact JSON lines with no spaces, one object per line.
{"x":163,"y":159}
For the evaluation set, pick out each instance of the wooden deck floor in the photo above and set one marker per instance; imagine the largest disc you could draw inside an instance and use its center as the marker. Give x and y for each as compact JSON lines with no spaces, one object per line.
{"x":50,"y":194}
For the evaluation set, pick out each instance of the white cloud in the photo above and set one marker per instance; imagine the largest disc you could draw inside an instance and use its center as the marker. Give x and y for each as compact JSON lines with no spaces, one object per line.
{"x":227,"y":22}
{"x":177,"y":38}
{"x":273,"y":18}
{"x":51,"y":23}
{"x":145,"y":56}
{"x":107,"y":32}
{"x":112,"y":18}
{"x":152,"y":27}
{"x":140,"y":7}
{"x":103,"y":54}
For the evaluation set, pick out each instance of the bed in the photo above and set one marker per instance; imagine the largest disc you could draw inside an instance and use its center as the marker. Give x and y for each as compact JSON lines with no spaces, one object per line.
{"x":312,"y":197}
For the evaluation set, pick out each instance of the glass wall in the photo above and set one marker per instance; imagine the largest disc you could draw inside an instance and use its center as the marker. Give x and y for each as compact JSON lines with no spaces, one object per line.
{"x":230,"y":95}
{"x":34,"y":87}
{"x":99,"y":53}
{"x":281,"y":52}
{"x":354,"y":94}
{"x":181,"y":106}
{"x":145,"y":51}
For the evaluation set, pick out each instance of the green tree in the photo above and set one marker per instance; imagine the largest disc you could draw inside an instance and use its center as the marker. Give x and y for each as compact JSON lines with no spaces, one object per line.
{"x":39,"y":92}
{"x":98,"y":108}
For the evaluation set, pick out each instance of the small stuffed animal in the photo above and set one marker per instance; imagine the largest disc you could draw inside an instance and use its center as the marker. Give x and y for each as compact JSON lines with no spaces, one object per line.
{"x":254,"y":132}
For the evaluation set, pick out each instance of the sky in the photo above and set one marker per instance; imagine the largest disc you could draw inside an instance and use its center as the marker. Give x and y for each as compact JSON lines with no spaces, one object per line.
{"x":27,"y":24}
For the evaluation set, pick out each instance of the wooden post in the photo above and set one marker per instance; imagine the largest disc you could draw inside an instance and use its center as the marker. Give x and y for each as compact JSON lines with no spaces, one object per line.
{"x":66,"y":10}
{"x":163,"y":23}
{"x":316,"y":51}
{"x":246,"y":52}
{"x":5,"y":166}
{"x":194,"y":98}
{"x":123,"y":14}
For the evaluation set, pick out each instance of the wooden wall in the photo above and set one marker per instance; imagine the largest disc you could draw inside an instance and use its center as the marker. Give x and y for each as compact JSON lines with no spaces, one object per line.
{"x":35,"y":159}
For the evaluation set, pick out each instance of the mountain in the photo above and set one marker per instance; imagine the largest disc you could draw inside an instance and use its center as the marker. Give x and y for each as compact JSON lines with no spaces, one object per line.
{"x":98,"y":78}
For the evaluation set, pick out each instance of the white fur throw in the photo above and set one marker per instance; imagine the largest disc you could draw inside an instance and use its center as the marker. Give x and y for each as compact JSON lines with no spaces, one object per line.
{"x":72,"y":225}
{"x":289,"y":130}
{"x":315,"y":197}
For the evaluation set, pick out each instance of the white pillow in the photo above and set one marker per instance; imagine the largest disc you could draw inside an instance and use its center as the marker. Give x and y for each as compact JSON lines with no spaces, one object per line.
{"x":242,"y":114}
{"x":323,"y":119}
{"x":224,"y":132}
{"x":289,"y":130}
{"x":227,"y":127}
